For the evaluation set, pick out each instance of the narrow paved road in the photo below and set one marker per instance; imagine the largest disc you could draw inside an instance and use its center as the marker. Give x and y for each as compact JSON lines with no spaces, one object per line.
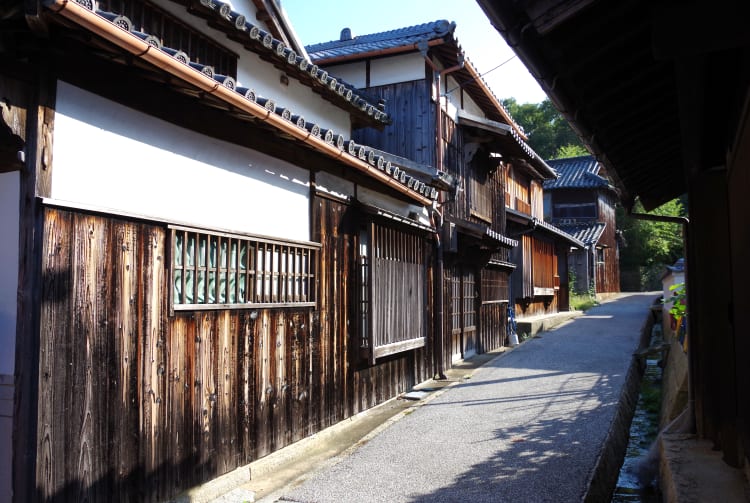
{"x":528,"y":426}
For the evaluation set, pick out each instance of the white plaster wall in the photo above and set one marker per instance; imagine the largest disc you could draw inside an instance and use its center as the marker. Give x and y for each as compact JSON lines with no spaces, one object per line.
{"x":371,"y":197}
{"x":263,"y":77}
{"x":333,"y":185}
{"x":351,"y":73}
{"x":340,"y":188}
{"x":9,"y":217}
{"x":404,"y":68}
{"x":110,"y":156}
{"x":453,"y":100}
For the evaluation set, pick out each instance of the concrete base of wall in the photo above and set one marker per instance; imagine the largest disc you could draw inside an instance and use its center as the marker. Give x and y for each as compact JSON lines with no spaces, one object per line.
{"x":691,"y":471}
{"x":674,"y":387}
{"x":533,"y":324}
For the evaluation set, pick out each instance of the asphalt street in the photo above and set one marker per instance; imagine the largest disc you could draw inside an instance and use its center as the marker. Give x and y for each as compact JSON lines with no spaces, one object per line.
{"x":527,"y":426}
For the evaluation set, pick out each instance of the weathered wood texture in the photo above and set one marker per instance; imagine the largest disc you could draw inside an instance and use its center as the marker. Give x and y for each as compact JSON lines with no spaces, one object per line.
{"x":399,"y":289}
{"x":34,"y":126}
{"x":710,"y":336}
{"x":608,"y":273}
{"x":518,"y":190}
{"x":462,"y":306}
{"x":412,"y":132}
{"x":542,"y":272}
{"x":739,"y":208}
{"x":494,"y":295}
{"x":138,"y":405}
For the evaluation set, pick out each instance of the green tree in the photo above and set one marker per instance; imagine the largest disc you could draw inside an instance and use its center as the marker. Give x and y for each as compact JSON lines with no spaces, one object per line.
{"x":570,"y":151}
{"x":549,"y":133}
{"x":649,"y":246}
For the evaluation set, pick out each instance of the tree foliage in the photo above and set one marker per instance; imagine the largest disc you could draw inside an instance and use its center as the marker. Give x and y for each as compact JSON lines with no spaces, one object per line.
{"x":649,"y":246}
{"x":549,"y":133}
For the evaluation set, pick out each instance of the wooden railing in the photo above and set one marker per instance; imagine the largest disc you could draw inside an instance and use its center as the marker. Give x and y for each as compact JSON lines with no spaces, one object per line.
{"x":523,"y":206}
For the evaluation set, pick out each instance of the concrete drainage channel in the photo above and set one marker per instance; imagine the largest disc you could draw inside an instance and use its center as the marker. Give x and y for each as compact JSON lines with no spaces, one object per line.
{"x":604,"y":479}
{"x":638,"y":476}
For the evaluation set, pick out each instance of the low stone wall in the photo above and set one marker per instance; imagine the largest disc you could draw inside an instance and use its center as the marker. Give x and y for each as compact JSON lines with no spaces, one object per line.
{"x":674,"y":384}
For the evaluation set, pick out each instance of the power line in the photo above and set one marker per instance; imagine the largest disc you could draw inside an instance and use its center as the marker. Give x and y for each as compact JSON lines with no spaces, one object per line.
{"x":483,"y":74}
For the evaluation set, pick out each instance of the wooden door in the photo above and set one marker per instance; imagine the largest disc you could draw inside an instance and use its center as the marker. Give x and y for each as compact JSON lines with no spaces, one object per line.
{"x":463,"y":313}
{"x":469,"y":314}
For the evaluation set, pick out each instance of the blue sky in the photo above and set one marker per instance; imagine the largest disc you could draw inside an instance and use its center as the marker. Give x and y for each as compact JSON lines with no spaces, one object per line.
{"x":322,"y":21}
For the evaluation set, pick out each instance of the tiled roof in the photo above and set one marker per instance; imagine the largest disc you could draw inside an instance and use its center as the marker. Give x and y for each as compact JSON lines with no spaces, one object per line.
{"x":380,"y":41}
{"x":406,"y":39}
{"x":589,"y":234}
{"x":558,"y":230}
{"x":237,"y":26}
{"x":576,"y":173}
{"x":363,"y":154}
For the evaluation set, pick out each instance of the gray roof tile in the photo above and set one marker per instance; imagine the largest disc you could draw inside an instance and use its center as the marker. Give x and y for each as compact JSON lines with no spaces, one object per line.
{"x":588,"y":233}
{"x":380,"y":41}
{"x":576,"y":173}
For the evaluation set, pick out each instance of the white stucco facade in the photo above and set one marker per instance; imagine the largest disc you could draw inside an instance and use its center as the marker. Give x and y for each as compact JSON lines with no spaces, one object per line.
{"x":386,"y":71}
{"x":265,"y":79}
{"x":344,"y":189}
{"x":110,"y":156}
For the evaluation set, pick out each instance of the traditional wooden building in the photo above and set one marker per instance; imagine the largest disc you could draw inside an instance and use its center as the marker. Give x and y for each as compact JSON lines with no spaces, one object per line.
{"x":581,"y":202}
{"x":450,"y":124}
{"x":667,"y":113}
{"x":200,"y":265}
{"x":539,"y":285}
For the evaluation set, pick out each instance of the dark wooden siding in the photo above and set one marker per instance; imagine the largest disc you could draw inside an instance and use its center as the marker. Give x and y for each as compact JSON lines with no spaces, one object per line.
{"x":412,"y":132}
{"x":608,"y":274}
{"x":494,"y":295}
{"x":352,"y":385}
{"x":138,"y":405}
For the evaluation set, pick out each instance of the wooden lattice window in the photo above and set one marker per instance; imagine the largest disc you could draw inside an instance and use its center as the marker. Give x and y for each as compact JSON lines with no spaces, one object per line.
{"x":480,"y":195}
{"x":469,"y":297}
{"x":494,"y":286}
{"x":174,"y":34}
{"x":213,"y":270}
{"x":392,"y":291}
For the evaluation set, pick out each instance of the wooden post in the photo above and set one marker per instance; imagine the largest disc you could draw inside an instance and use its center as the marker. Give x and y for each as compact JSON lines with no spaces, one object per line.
{"x":35,"y":183}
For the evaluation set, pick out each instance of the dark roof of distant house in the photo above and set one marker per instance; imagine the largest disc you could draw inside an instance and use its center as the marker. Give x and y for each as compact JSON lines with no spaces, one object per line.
{"x":678,"y":266}
{"x":576,"y":173}
{"x":588,"y":233}
{"x":355,"y":45}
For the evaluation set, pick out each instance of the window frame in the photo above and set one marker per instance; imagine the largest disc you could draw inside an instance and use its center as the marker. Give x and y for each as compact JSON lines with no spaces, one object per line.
{"x":411,"y":256}
{"x":288,"y":279}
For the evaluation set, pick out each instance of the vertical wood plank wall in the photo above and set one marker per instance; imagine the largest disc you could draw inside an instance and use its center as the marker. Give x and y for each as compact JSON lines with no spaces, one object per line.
{"x":608,"y":274}
{"x":138,"y":405}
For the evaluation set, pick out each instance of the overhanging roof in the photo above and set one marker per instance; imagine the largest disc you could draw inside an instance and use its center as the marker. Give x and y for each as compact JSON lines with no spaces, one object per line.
{"x":534,"y":224}
{"x":643,"y":84}
{"x":211,"y":88}
{"x":512,"y":140}
{"x":437,"y":36}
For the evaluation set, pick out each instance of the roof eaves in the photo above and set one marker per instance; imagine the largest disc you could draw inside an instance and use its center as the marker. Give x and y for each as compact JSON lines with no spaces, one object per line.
{"x":541,"y":224}
{"x":145,"y":47}
{"x":340,"y":93}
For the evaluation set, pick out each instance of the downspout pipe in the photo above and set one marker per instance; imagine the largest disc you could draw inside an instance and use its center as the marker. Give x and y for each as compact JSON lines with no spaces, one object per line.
{"x":437,"y":224}
{"x":139,"y":48}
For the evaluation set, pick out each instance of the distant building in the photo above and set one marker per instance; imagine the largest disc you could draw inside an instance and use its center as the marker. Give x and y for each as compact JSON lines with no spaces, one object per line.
{"x":496,"y":250}
{"x":582,"y":203}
